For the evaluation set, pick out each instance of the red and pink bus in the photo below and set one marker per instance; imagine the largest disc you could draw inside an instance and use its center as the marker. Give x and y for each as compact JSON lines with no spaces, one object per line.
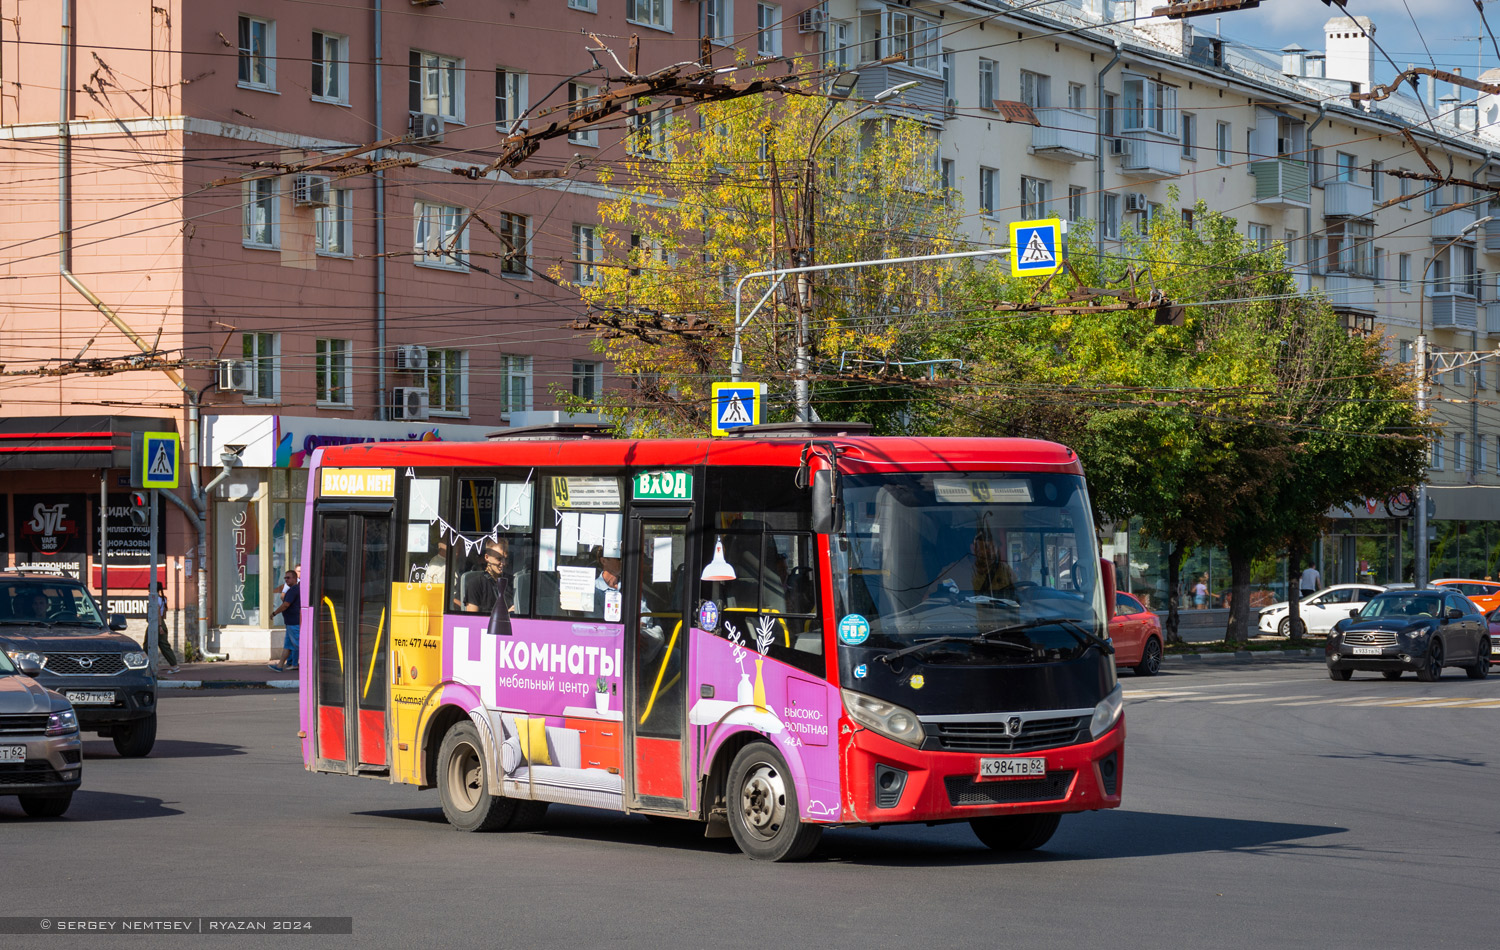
{"x":798,"y":628}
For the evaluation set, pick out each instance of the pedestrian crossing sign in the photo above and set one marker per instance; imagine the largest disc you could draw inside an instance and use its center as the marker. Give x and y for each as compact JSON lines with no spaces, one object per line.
{"x":1036,"y":247}
{"x":156,"y":459}
{"x":736,"y":405}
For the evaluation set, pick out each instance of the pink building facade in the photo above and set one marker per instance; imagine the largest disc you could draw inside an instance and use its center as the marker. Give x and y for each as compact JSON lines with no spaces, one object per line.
{"x":152,"y":223}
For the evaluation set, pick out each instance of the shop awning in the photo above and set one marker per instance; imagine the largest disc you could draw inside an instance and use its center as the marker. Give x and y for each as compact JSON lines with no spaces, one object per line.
{"x":43,"y":443}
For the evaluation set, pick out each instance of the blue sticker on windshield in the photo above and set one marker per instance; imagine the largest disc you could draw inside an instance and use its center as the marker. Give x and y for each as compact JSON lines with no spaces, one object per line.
{"x":861,"y":671}
{"x":708,"y":616}
{"x":854,"y":629}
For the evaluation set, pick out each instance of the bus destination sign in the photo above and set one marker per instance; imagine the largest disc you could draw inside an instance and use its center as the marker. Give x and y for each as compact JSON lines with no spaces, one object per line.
{"x":359,"y":483}
{"x":663,"y":486}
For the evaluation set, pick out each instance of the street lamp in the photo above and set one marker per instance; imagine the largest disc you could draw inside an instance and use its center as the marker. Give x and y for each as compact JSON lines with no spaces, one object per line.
{"x":1419,"y":565}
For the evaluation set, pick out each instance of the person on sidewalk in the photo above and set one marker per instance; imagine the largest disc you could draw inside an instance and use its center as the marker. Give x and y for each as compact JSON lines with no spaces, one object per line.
{"x":290,"y":610}
{"x":167,"y":661}
{"x":1311,"y":581}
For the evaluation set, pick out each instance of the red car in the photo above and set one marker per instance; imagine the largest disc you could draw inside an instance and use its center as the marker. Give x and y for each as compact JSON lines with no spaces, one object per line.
{"x":1136,"y":633}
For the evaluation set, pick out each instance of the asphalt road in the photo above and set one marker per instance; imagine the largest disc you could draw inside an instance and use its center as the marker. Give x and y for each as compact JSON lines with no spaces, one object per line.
{"x":1265,"y":806}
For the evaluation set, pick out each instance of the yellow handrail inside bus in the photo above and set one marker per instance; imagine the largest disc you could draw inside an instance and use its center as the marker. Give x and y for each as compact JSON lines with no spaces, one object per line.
{"x":667,"y":655}
{"x":374,"y":654}
{"x":337,"y":641}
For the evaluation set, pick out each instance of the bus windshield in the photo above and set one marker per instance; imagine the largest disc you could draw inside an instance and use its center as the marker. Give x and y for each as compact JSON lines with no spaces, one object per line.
{"x":1000,"y":565}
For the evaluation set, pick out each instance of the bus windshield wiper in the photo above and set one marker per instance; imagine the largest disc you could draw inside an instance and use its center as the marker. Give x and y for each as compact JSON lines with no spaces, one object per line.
{"x":1075,"y":627}
{"x":988,"y":639}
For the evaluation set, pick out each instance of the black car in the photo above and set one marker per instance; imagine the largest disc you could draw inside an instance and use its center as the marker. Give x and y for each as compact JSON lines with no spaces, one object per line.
{"x":1421,"y":630}
{"x":52,"y":622}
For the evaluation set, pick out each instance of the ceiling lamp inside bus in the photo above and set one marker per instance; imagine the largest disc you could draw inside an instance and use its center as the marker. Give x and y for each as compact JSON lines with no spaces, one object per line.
{"x":718,"y":569}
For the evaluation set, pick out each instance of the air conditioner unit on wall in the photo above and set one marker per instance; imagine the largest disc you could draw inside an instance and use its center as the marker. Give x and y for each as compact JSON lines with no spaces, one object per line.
{"x":409,"y":403}
{"x":236,"y":376}
{"x":411,"y":358}
{"x":812,"y":21}
{"x":310,"y":191}
{"x":1117,"y":146}
{"x":1135,"y":201}
{"x":421,"y":127}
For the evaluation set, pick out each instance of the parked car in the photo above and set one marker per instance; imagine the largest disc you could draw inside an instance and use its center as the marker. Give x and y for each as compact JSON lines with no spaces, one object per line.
{"x":1486,"y":594}
{"x":1493,"y":619}
{"x":1420,"y":630}
{"x":52,"y":622}
{"x":1319,"y":611}
{"x":1136,"y":633}
{"x":41,"y":756}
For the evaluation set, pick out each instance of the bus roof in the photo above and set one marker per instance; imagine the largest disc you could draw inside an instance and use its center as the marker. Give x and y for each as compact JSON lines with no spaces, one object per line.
{"x":858,"y":454}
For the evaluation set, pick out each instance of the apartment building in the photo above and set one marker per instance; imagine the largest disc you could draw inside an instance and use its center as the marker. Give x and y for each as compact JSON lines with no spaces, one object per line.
{"x":381,"y":295}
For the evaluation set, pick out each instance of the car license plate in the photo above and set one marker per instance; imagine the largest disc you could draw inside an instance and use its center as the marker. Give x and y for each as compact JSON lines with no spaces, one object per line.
{"x":12,"y":753}
{"x":1367,"y":651}
{"x":1011,"y":768}
{"x":79,"y":698}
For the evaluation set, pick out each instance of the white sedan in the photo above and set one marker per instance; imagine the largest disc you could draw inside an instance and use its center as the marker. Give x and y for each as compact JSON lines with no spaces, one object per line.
{"x":1319,"y":611}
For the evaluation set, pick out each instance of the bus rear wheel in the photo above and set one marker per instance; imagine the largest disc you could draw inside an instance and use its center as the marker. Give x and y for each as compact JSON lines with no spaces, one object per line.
{"x":1015,"y":832}
{"x":463,"y":783}
{"x":763,"y":813}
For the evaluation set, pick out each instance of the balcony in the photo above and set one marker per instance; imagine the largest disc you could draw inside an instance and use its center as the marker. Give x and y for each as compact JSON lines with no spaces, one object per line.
{"x":1492,"y":236}
{"x":1491,"y":318}
{"x":1450,"y":224}
{"x":927,"y":99}
{"x":1347,"y":199}
{"x":1281,"y":183}
{"x":1147,"y":154}
{"x":1064,"y":135}
{"x":1349,"y":294}
{"x":1457,"y":311}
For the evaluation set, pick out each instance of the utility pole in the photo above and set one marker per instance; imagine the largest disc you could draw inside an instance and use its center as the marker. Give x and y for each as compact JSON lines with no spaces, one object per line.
{"x":1419,"y":563}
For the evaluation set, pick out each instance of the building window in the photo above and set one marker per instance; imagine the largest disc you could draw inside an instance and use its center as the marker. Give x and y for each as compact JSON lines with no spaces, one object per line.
{"x":588,"y":379}
{"x":1349,"y":249}
{"x":950,"y":80}
{"x":1260,"y":236}
{"x":515,"y":236}
{"x":1437,"y":453}
{"x":1460,"y":455}
{"x":510,"y":98}
{"x":579,"y":96}
{"x":1222,"y":140}
{"x":989,"y":83}
{"x":1078,"y":96}
{"x":332,"y":224}
{"x":1290,"y":247}
{"x":654,"y":13}
{"x":1345,"y":170}
{"x":1035,"y":195}
{"x":1405,"y":192}
{"x":768,"y":25}
{"x":1150,"y":106}
{"x":587,"y":6}
{"x":1076,"y":210}
{"x":841,"y":43}
{"x":1403,"y":272}
{"x":586,"y":253}
{"x":515,"y":383}
{"x":257,"y":53}
{"x":448,"y":382}
{"x":330,"y":67}
{"x":945,"y":171}
{"x":895,"y":34}
{"x":262,"y":211}
{"x":331,"y":372}
{"x":262,"y":351}
{"x":1479,"y":453}
{"x":436,"y":85}
{"x":987,"y":178}
{"x":1035,"y":89}
{"x":441,"y":235}
{"x":1187,"y":218}
{"x":1112,"y":216}
{"x":1377,"y":182}
{"x":1189,"y":136}
{"x":717,"y":21}
{"x":647,"y":131}
{"x":1107,"y":112}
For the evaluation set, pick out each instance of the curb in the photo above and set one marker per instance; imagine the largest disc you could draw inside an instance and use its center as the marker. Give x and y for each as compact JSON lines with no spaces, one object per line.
{"x":1244,"y":656}
{"x":227,"y":684}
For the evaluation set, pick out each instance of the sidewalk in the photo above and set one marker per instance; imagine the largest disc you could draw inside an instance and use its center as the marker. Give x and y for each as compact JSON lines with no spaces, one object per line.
{"x":227,"y":676}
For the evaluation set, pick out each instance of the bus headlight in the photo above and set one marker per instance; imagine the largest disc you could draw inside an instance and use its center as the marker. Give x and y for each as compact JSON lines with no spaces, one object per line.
{"x":1107,"y":713}
{"x":888,"y":719}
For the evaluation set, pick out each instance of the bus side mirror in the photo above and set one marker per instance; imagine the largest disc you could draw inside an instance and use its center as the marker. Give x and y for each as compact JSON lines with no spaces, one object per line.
{"x":827,"y":502}
{"x":1107,"y":575}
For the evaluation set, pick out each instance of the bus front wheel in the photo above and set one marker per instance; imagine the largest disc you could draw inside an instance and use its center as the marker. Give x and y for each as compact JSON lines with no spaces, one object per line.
{"x":463,"y":783}
{"x":1016,"y":832}
{"x":763,"y":815}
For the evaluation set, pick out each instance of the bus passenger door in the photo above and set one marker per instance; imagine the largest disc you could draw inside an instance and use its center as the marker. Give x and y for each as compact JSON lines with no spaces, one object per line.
{"x":656,"y":635}
{"x":352,"y":550}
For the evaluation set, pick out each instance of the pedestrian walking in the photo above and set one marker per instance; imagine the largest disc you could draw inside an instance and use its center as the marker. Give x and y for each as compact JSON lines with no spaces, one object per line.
{"x":1311,"y":581}
{"x":167,"y":662}
{"x":1200,"y":593}
{"x":290,"y":610}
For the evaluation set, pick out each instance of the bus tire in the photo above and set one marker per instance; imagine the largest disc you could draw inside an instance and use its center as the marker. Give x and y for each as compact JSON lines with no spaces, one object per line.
{"x":528,"y":816}
{"x":1016,"y":832}
{"x":763,"y":813}
{"x":463,"y":781}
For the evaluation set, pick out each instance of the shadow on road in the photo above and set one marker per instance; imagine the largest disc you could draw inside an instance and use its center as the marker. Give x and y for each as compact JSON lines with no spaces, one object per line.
{"x":97,"y":749}
{"x":98,"y":806}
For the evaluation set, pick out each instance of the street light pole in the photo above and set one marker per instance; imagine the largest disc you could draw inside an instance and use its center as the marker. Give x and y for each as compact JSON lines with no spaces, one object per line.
{"x":1419,"y":559}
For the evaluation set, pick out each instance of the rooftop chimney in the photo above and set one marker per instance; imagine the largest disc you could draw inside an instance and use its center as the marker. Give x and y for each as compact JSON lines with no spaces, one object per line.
{"x":1350,"y":52}
{"x":1293,"y":60}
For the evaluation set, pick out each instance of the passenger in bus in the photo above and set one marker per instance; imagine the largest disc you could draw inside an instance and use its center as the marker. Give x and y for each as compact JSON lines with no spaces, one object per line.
{"x":984,"y":569}
{"x":491,"y":590}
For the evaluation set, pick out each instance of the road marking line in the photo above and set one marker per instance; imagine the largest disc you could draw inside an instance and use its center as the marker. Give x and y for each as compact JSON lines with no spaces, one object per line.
{"x":1209,"y":698}
{"x":1263,"y":699}
{"x":1342,"y":700}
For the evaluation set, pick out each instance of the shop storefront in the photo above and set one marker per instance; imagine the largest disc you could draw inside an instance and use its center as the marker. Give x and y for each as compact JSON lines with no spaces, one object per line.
{"x":256,"y":512}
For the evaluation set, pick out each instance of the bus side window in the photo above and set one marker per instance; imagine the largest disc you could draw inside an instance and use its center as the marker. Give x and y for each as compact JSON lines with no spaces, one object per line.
{"x":426,"y":540}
